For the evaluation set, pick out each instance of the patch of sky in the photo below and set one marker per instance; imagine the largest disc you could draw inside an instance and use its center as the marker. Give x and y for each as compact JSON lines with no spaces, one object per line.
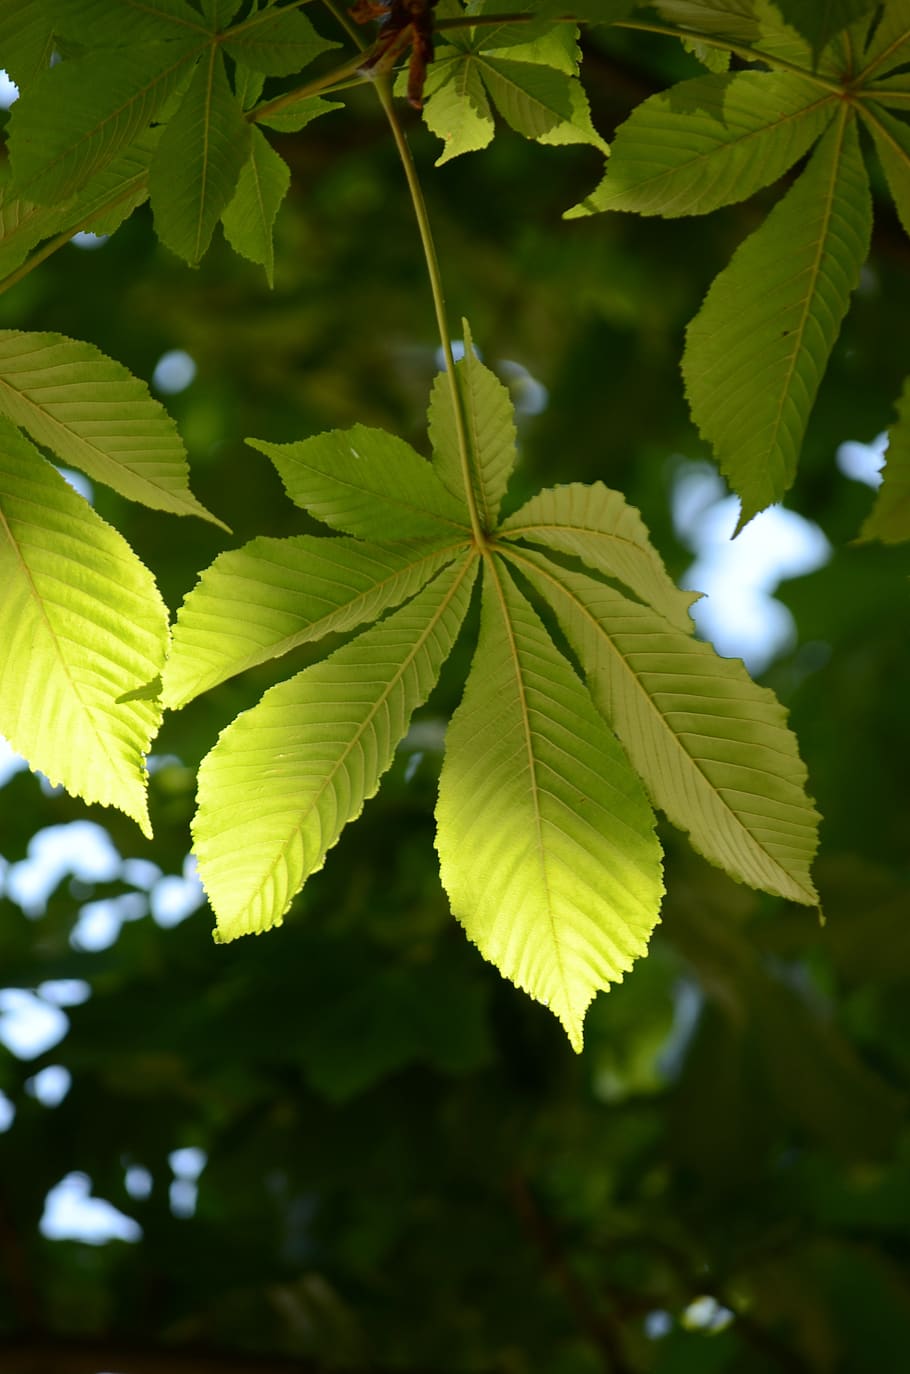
{"x":173,"y":372}
{"x":50,"y":1085}
{"x":79,"y":483}
{"x":81,"y":849}
{"x":88,"y":241}
{"x":863,"y":462}
{"x":706,"y":1314}
{"x":7,"y":1112}
{"x":529,"y":396}
{"x":29,"y":1025}
{"x":658,"y":1324}
{"x":187,"y":1164}
{"x":100,"y":923}
{"x":11,"y":763}
{"x":739,"y":613}
{"x":138,"y":1181}
{"x":687,"y":1004}
{"x":71,"y":1213}
{"x":65,"y":992}
{"x":175,"y":898}
{"x":9,"y":91}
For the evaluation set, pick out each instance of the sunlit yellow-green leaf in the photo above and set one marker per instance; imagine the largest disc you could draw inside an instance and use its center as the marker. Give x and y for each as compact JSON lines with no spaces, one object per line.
{"x":545,"y":836}
{"x":367,"y":483}
{"x":287,"y":776}
{"x":94,"y":415}
{"x":490,"y":425}
{"x":709,"y":142}
{"x":596,"y":525}
{"x":260,"y":601}
{"x":82,"y":627}
{"x":712,"y":746}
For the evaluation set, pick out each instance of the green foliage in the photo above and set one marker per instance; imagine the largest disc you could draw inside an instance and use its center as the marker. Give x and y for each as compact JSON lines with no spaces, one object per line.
{"x":545,"y":832}
{"x":545,"y":835}
{"x":406,"y":1168}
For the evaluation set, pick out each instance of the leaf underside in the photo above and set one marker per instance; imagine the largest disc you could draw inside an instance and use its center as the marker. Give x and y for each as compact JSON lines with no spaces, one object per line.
{"x":82,"y":627}
{"x":757,"y":349}
{"x":287,"y":776}
{"x":552,"y":867}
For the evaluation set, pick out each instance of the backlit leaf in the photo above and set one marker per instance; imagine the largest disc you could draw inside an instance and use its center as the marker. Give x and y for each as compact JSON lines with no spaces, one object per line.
{"x":545,"y":836}
{"x":819,"y":20}
{"x":82,"y":625}
{"x":456,"y":108}
{"x":368,"y":483}
{"x":277,"y":42}
{"x":889,"y":46}
{"x":260,"y":601}
{"x":95,"y":416}
{"x":892,"y":143}
{"x":531,"y":98}
{"x":200,"y":157}
{"x":708,"y":142}
{"x":286,"y":777}
{"x":490,"y":425}
{"x":26,"y":39}
{"x":889,"y":519}
{"x":98,"y":23}
{"x":291,"y":118}
{"x":250,"y":215}
{"x":712,"y":746}
{"x":78,"y":116}
{"x":596,"y":525}
{"x":757,"y":349}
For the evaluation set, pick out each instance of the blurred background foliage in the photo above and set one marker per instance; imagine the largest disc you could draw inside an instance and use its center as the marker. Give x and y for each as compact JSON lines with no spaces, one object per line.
{"x":403,"y":1166}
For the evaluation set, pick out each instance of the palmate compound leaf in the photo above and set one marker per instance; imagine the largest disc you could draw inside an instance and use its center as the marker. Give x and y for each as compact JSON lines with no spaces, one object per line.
{"x":532,"y":84}
{"x":286,"y":777}
{"x":95,"y":416}
{"x":712,"y":746}
{"x":596,"y":525}
{"x":757,"y":349}
{"x":368,"y":483}
{"x":82,"y":627}
{"x":260,"y":601}
{"x":889,"y":519}
{"x":545,"y":836}
{"x":709,"y":142}
{"x":489,"y":419}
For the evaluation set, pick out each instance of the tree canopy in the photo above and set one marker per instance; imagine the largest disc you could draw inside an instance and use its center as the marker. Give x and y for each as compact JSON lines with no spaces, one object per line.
{"x":342,"y":541}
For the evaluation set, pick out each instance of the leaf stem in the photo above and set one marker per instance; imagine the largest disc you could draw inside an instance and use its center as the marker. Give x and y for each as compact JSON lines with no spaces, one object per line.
{"x":384,"y":92}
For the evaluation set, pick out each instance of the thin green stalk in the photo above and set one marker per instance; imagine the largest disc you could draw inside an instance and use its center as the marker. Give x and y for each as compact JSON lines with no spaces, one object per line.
{"x":384,"y":93}
{"x":44,"y":252}
{"x":383,"y":90}
{"x":321,"y":85}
